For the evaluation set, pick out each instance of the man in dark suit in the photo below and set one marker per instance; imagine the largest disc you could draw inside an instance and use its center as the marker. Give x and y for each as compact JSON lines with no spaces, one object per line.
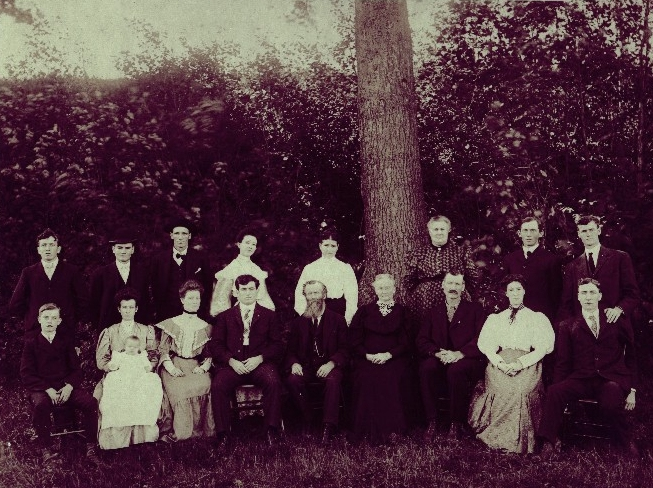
{"x":50,"y":371}
{"x":170,"y":268}
{"x":110,"y":279}
{"x":246,"y":346}
{"x":50,"y":281}
{"x":594,"y":359}
{"x":317,"y":352}
{"x":541,"y":269}
{"x":450,"y":360}
{"x":612,"y":268}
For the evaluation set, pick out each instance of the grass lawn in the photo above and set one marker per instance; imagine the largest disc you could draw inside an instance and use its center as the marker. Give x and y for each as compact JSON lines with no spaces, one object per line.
{"x":304,"y":462}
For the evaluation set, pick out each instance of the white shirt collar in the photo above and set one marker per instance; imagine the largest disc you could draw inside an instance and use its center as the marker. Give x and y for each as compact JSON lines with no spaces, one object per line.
{"x":49,"y":337}
{"x":50,"y":264}
{"x":531,"y":248}
{"x":587,"y":315}
{"x":175,"y":252}
{"x":123,"y":265}
{"x":126,"y":323}
{"x":594,"y":250}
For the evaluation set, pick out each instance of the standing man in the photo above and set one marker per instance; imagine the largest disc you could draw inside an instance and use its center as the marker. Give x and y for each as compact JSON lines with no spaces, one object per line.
{"x":50,"y":281}
{"x":110,"y":279}
{"x":50,"y":370}
{"x":611,"y":268}
{"x":317,"y":353}
{"x":541,"y":269}
{"x":451,"y":362}
{"x":246,"y":346}
{"x":170,"y":268}
{"x":595,"y":358}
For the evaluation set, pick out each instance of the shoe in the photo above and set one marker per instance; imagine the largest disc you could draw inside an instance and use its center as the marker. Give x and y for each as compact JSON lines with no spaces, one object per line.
{"x":456,"y":431}
{"x":549,"y":451}
{"x":273,"y":436}
{"x":93,"y":457}
{"x":167,"y":438}
{"x":220,"y":442}
{"x":327,"y":433}
{"x":429,"y":434}
{"x":48,"y":454}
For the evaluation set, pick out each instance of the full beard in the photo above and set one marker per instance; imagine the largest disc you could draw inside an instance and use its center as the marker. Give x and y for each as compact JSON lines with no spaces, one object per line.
{"x":314,"y":308}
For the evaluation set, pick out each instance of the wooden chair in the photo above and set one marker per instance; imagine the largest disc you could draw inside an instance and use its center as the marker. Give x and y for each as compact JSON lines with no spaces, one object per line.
{"x":247,"y":400}
{"x":582,"y":422}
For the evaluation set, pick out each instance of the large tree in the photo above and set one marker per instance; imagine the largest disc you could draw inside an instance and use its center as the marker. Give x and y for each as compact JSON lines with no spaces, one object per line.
{"x":391,"y":178}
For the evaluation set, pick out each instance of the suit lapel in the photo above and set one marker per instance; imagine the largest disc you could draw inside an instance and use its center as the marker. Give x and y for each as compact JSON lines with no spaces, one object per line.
{"x":603,"y":257}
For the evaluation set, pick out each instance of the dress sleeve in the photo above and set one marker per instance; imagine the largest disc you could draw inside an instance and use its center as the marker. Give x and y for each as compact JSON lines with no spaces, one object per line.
{"x":152,"y":346}
{"x":164,"y":347}
{"x":488,"y":339}
{"x":263,"y":298}
{"x":221,"y":299}
{"x":103,"y":351}
{"x":350,"y":286}
{"x":541,"y":342}
{"x":300,"y":299}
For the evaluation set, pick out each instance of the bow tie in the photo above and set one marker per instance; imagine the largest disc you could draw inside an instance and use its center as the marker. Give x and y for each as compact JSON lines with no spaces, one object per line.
{"x":179,"y":256}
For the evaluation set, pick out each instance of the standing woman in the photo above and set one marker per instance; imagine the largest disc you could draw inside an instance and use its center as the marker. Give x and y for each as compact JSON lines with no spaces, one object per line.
{"x":428,"y":265}
{"x":184,"y":366}
{"x":379,"y":341}
{"x":505,"y":413}
{"x":246,"y":241}
{"x":337,"y":276}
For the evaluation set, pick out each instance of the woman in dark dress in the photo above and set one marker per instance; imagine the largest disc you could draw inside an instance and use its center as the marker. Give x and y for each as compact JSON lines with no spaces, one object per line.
{"x":380,"y":344}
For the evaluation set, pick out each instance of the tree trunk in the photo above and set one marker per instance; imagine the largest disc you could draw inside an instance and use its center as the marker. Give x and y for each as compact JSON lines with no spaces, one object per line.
{"x":643,"y":66}
{"x":391,"y":177}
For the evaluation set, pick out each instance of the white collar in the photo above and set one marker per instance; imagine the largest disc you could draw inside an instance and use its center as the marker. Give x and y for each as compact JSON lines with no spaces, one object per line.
{"x":531,"y":248}
{"x":125,"y":323}
{"x":175,"y":252}
{"x":594,"y":313}
{"x":246,"y":259}
{"x":49,"y":337}
{"x":50,"y":264}
{"x":121,"y":264}
{"x":246,"y":307}
{"x":594,"y":250}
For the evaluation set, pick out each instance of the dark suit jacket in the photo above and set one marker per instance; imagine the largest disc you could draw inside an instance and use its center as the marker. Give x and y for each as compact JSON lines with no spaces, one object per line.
{"x":166,"y":278}
{"x":334,"y":339}
{"x":264,"y":336}
{"x":106,"y":282}
{"x":436,"y":333}
{"x":543,"y":274}
{"x":66,"y":289}
{"x":614,"y":270}
{"x":44,"y":365}
{"x":580,"y":355}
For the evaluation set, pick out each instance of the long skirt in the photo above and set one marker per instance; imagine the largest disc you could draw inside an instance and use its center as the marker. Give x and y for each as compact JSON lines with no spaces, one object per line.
{"x":505,"y":410}
{"x":187,"y":408}
{"x":118,"y":429}
{"x":380,"y":399}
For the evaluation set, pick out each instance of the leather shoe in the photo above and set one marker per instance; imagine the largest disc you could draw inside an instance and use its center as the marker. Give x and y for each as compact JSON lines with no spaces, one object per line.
{"x":429,"y":434}
{"x":220,"y":442}
{"x":327,"y":433}
{"x":273,"y":436}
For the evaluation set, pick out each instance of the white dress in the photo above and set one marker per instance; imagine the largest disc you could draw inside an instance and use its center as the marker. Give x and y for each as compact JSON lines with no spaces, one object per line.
{"x":339,"y":279}
{"x":225,"y":286}
{"x":132,"y":394}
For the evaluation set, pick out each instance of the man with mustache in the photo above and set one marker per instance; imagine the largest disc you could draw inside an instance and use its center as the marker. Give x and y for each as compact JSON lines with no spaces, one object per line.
{"x":317,"y":353}
{"x":451,"y":363}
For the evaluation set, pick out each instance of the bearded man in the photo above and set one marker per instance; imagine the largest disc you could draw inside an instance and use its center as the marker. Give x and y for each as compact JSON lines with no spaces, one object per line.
{"x":317,"y":354}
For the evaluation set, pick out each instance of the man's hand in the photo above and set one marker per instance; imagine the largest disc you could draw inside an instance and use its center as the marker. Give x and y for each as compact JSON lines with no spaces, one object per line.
{"x":612,"y":314}
{"x":449,"y":357}
{"x":64,"y":393}
{"x":237,"y":366}
{"x":630,"y":401}
{"x":54,"y":395}
{"x":325,"y":369}
{"x":252,"y":363}
{"x":296,"y":369}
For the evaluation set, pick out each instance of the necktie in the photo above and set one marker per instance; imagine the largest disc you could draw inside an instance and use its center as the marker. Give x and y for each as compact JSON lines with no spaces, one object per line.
{"x":451,"y":310}
{"x":594,"y":327}
{"x":513,"y":312}
{"x":590,"y":262}
{"x":247,"y":321}
{"x":528,"y":255}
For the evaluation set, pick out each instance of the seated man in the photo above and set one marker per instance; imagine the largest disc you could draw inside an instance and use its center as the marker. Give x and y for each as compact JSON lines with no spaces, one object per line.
{"x":594,"y":359}
{"x":51,"y":372}
{"x":246,"y":347}
{"x":317,"y":351}
{"x":451,"y":363}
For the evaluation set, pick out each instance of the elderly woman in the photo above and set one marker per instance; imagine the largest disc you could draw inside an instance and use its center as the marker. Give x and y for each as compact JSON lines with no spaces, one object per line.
{"x":115,"y":435}
{"x":185,"y":364}
{"x":505,"y":412}
{"x":379,"y":340}
{"x":427,"y":266}
{"x":337,"y":276}
{"x":246,"y":241}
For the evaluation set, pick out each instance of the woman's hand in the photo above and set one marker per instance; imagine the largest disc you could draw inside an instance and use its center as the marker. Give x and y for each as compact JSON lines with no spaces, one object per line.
{"x":630,"y":401}
{"x":198,"y":370}
{"x":174,"y":371}
{"x":379,"y":357}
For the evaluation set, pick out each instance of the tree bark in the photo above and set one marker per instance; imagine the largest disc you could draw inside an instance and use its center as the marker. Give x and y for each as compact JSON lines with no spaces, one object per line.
{"x":391,"y":177}
{"x":643,"y":66}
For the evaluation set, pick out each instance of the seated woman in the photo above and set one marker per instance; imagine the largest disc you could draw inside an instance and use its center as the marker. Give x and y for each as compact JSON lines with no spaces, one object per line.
{"x":225,"y":289}
{"x":132,"y":393}
{"x":184,"y":370}
{"x":113,"y":339}
{"x":505,"y":412}
{"x":337,"y":276}
{"x":379,"y":340}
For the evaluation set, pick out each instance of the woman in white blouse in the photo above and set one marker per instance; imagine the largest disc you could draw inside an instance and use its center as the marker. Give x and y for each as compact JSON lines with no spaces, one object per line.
{"x":337,"y":276}
{"x":224,"y":288}
{"x":504,"y":413}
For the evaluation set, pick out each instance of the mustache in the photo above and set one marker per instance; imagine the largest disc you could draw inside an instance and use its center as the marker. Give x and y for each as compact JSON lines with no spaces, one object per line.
{"x":314,"y":308}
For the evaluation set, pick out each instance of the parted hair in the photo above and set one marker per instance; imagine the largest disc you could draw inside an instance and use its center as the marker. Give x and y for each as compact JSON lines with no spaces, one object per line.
{"x":246,"y":279}
{"x":190,"y":285}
